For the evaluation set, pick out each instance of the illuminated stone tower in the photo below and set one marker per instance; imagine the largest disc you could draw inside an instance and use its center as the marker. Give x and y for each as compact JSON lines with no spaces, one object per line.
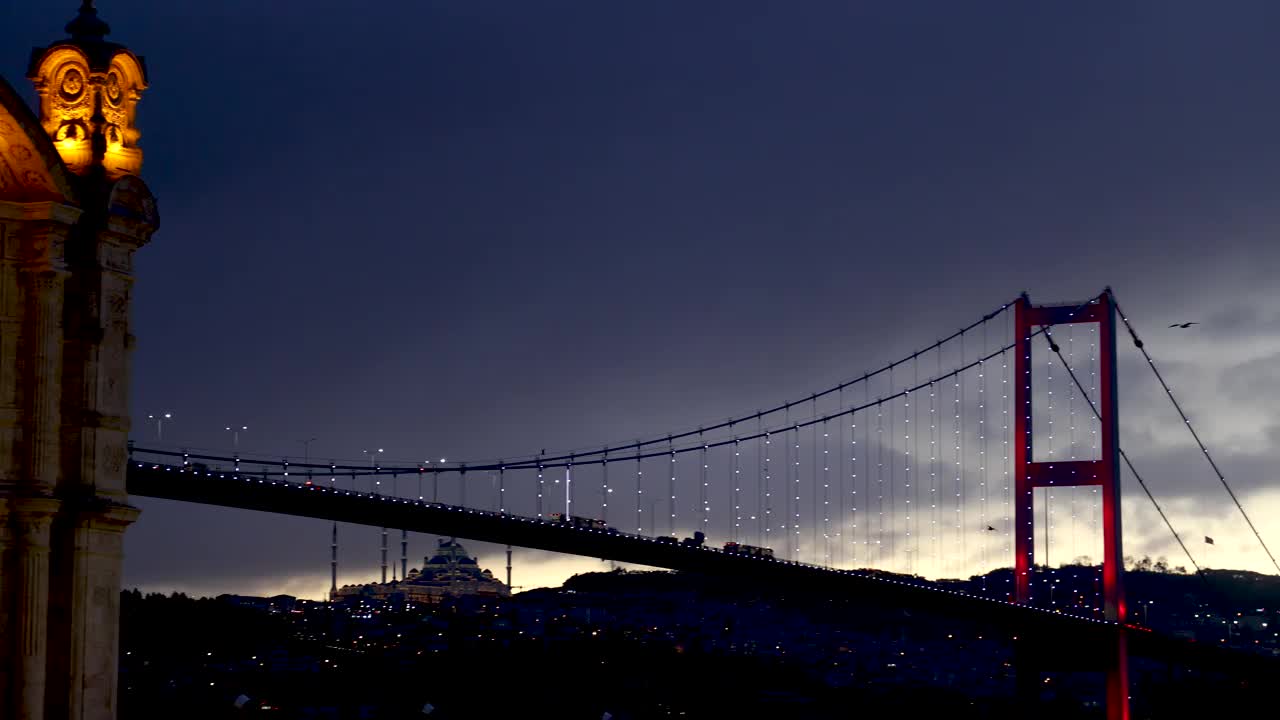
{"x":72,"y":213}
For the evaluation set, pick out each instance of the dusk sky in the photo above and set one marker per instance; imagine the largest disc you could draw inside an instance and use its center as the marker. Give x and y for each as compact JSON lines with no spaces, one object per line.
{"x":478,"y":229}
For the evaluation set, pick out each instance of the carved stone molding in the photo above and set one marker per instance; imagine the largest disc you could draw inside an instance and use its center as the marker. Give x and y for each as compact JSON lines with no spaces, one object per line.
{"x":53,"y":212}
{"x":31,"y":519}
{"x":30,"y":168}
{"x":112,"y":517}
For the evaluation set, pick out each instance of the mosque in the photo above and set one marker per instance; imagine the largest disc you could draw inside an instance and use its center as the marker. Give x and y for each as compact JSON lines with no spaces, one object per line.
{"x":450,"y":572}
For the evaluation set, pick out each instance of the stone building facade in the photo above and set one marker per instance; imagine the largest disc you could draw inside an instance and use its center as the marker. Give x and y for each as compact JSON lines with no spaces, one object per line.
{"x":72,"y":213}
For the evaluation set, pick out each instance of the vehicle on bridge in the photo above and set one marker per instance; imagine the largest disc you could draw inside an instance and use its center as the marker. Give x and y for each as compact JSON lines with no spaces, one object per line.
{"x":733,"y":548}
{"x":698,"y":540}
{"x":581,"y":522}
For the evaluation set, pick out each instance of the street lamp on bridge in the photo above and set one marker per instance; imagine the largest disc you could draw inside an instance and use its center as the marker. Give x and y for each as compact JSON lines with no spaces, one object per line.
{"x":373,"y":465}
{"x":235,"y":431}
{"x":159,"y":420}
{"x":306,"y":453}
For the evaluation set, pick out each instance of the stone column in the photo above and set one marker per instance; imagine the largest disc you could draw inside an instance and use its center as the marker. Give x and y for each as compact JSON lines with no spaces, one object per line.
{"x":31,"y":519}
{"x":42,"y":382}
{"x":41,"y":276}
{"x":87,"y":537}
{"x":83,"y":672}
{"x":6,"y":556}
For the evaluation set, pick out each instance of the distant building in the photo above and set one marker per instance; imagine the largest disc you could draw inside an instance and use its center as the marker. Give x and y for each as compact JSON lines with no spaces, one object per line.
{"x":451,"y":572}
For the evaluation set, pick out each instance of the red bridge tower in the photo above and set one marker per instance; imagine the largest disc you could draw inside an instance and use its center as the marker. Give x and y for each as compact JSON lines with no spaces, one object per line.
{"x":1103,"y":472}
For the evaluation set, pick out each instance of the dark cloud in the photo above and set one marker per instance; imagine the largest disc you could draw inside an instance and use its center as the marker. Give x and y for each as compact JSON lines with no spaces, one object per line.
{"x":477,"y":230}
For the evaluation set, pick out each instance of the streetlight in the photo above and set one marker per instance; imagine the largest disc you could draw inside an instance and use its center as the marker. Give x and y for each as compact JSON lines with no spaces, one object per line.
{"x":306,"y":453}
{"x":373,"y":465}
{"x":235,"y":431}
{"x":160,"y":424}
{"x":1146,"y":604}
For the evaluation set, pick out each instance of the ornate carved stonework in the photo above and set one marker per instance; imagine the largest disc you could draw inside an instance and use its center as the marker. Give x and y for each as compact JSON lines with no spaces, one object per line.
{"x":114,"y":458}
{"x":83,"y":96}
{"x":22,"y":170}
{"x":131,"y":209}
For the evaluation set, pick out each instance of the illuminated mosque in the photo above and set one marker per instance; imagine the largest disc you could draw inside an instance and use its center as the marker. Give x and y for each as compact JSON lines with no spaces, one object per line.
{"x":450,"y":572}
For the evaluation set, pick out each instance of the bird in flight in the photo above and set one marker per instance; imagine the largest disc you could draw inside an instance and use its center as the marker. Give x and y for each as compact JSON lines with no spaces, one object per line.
{"x":1184,"y":326}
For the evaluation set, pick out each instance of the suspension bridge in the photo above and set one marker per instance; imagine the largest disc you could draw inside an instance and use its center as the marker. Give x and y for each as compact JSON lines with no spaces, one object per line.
{"x":995,"y":446}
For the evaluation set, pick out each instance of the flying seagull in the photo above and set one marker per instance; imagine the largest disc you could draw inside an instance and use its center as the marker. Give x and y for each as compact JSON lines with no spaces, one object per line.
{"x":1184,"y":326}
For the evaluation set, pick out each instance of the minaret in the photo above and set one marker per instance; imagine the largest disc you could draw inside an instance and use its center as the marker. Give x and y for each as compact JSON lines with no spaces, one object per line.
{"x":333,"y":564}
{"x":404,"y":554}
{"x":384,"y":556}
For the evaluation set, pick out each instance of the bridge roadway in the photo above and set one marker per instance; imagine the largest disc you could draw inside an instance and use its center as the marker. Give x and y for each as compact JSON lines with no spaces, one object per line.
{"x":1068,"y":635}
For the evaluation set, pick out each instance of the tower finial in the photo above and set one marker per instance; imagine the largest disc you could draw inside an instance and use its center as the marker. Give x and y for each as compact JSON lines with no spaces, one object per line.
{"x":87,"y":25}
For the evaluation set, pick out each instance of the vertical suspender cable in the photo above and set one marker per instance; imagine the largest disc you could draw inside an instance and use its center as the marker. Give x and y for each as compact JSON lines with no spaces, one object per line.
{"x":880,"y":484}
{"x":893,"y":479}
{"x":866,"y":479}
{"x":671,"y":487}
{"x":914,"y":470}
{"x":795,"y":440}
{"x":813,"y":472}
{"x":541,"y":485}
{"x":705,"y":492}
{"x":639,"y":493}
{"x":840,"y":477}
{"x":1048,"y":491}
{"x":604,"y":487}
{"x":736,"y":483}
{"x":959,"y":468}
{"x":785,"y":526}
{"x":768,"y":492}
{"x":935,"y":436}
{"x":826,"y":493}
{"x":1071,"y":434}
{"x":760,"y":519}
{"x":853,"y":489}
{"x":982,"y":454}
{"x":1005,"y":471}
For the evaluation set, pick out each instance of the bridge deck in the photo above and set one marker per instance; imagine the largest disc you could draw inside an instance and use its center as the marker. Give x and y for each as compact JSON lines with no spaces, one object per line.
{"x":329,"y":503}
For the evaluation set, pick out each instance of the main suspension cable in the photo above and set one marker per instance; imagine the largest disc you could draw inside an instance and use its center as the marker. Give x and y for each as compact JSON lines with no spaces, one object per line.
{"x":547,"y":462}
{"x":1137,"y":342}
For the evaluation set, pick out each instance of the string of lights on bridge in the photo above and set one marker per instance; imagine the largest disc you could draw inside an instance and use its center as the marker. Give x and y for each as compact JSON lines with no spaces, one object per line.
{"x":904,"y":505}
